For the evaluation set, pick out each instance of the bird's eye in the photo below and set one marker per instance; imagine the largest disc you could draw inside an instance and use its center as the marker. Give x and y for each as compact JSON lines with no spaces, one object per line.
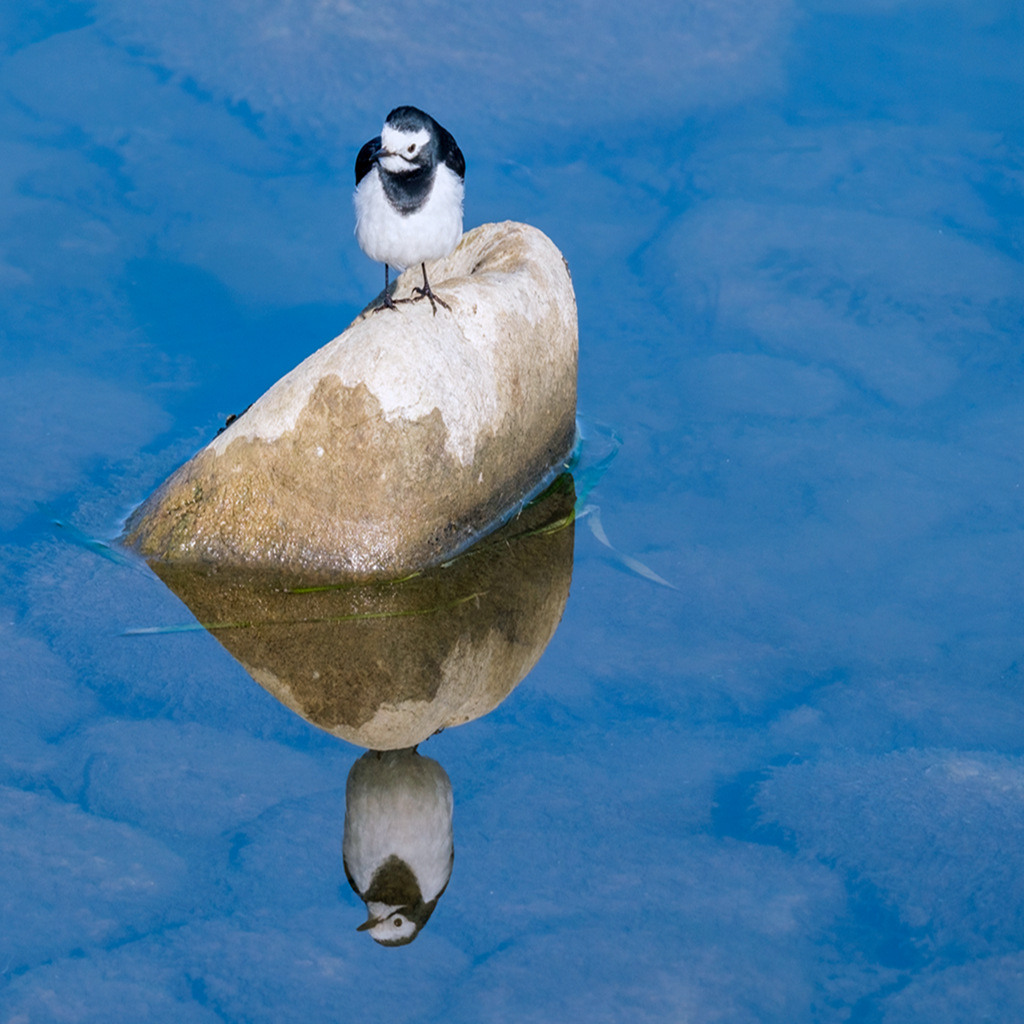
{"x":398,"y":922}
{"x":412,"y":149}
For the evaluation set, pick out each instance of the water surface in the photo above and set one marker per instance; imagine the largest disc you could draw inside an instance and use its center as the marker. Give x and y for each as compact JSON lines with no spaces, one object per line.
{"x":769,"y":767}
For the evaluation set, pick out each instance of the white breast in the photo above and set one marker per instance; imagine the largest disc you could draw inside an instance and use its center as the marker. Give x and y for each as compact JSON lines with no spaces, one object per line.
{"x":399,"y":803}
{"x":433,"y":231}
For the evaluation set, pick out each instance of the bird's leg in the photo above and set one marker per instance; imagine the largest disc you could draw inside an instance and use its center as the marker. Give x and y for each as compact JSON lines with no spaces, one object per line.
{"x":388,"y":303}
{"x":425,"y":292}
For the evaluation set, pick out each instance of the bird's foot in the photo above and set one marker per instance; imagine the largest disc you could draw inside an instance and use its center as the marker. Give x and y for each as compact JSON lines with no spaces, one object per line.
{"x":387,"y":303}
{"x":426,"y":293}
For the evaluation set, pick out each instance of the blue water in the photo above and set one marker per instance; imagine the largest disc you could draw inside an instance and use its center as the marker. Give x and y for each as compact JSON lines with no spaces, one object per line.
{"x":771,"y":765}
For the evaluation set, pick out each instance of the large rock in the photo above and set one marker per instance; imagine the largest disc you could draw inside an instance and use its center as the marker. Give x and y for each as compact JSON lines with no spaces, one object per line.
{"x":402,"y":440}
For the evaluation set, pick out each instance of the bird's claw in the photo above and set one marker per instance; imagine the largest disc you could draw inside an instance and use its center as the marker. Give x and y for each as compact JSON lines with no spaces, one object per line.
{"x":388,"y":303}
{"x":426,"y":293}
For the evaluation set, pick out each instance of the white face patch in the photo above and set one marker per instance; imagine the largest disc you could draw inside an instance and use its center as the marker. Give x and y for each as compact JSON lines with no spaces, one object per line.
{"x":402,"y":144}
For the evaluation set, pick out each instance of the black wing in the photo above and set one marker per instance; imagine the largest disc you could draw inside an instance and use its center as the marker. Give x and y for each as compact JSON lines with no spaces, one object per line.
{"x":348,"y":874}
{"x":366,"y":157}
{"x":449,"y":151}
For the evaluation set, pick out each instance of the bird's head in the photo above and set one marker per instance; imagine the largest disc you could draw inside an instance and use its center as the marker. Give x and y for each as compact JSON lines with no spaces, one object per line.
{"x":407,"y":141}
{"x":391,"y":926}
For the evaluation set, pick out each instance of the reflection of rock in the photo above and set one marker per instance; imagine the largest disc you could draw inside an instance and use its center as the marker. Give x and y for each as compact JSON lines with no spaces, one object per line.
{"x":398,"y":847}
{"x":383,"y":665}
{"x":397,"y":443}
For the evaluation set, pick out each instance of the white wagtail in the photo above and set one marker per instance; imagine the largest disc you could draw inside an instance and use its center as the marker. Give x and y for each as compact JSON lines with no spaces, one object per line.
{"x":398,"y":849}
{"x":409,"y":187}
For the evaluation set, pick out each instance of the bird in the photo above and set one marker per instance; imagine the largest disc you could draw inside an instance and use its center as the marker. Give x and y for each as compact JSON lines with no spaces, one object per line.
{"x":408,"y":197}
{"x":398,"y":848}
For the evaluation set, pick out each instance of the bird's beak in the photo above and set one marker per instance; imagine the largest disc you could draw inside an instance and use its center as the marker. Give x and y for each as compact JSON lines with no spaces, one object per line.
{"x":368,"y":924}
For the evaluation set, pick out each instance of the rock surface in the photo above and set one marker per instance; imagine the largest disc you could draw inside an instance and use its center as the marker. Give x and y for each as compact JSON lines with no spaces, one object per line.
{"x":386,"y":665}
{"x":402,"y":440}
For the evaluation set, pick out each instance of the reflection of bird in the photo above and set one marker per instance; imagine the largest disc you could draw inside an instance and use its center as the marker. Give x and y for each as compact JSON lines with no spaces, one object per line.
{"x":409,"y":195}
{"x":398,"y":849}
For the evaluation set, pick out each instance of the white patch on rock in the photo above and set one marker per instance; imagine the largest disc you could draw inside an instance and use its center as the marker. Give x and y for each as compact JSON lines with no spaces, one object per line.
{"x":413,"y":362}
{"x":423,"y":371}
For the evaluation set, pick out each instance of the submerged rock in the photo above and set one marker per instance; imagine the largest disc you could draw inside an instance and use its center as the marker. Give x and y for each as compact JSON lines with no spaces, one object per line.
{"x":398,"y":443}
{"x":385,"y":665}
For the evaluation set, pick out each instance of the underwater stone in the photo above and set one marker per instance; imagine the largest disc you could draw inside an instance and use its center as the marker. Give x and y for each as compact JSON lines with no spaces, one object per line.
{"x":385,"y":665}
{"x":400,"y":441}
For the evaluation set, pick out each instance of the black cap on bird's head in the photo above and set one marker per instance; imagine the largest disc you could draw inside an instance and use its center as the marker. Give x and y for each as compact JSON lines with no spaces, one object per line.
{"x":410,"y":119}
